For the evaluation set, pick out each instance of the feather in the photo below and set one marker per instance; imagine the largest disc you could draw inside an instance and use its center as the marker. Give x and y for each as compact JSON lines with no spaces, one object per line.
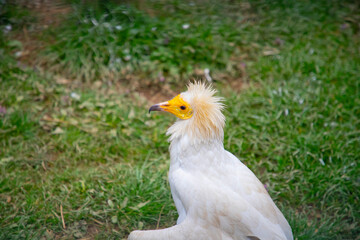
{"x":216,"y":195}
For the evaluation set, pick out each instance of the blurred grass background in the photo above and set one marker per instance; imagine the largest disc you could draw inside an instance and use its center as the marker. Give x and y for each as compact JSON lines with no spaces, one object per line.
{"x":77,"y":78}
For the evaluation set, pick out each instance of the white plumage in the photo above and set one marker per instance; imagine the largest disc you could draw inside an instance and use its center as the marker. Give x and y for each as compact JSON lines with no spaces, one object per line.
{"x":216,"y":195}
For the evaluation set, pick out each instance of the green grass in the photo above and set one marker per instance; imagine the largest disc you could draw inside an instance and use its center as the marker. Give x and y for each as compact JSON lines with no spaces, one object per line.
{"x":104,"y":160}
{"x":152,"y":44}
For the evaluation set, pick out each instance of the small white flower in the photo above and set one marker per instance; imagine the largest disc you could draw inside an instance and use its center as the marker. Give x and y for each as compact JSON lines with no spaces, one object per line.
{"x":185,"y":26}
{"x":18,"y":54}
{"x":153,"y":29}
{"x":127,"y":58}
{"x":286,"y":112}
{"x":7,"y":28}
{"x":207,"y":74}
{"x":118,"y":27}
{"x":75,"y":96}
{"x":301,"y":101}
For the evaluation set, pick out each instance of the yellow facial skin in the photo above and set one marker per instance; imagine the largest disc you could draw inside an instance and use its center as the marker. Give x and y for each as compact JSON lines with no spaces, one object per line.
{"x":176,"y":106}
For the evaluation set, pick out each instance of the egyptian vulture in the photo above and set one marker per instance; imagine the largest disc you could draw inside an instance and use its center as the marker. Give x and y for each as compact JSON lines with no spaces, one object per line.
{"x":216,"y":195}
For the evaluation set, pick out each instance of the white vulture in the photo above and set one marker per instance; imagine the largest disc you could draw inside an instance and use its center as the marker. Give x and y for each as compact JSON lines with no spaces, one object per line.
{"x":216,"y":195}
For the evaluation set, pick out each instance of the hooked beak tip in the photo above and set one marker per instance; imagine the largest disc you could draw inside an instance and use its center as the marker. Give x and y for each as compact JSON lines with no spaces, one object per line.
{"x":155,"y":107}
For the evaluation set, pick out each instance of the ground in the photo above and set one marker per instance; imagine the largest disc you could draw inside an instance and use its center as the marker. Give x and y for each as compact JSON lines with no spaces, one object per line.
{"x":81,"y":158}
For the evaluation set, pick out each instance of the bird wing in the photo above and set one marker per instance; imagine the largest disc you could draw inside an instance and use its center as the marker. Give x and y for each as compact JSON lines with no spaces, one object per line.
{"x":221,"y":195}
{"x":248,"y":186}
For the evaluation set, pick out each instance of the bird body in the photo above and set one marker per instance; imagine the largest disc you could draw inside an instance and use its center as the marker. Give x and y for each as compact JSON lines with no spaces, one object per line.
{"x":216,"y":195}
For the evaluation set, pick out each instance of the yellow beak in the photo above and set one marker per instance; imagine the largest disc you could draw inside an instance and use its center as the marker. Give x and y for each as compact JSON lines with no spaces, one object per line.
{"x":177,"y":106}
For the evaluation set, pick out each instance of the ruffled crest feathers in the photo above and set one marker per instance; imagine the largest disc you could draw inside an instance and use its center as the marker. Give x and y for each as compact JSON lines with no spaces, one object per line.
{"x":208,"y":121}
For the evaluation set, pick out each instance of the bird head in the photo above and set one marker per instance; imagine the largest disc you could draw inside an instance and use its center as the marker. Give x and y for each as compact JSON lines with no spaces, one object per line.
{"x":198,"y":111}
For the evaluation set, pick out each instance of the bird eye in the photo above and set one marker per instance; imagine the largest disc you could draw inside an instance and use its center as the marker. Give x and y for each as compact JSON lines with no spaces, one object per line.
{"x":182,"y":107}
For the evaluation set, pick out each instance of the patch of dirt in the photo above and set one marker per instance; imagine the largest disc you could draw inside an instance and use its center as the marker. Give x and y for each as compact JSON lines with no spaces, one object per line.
{"x":48,"y":13}
{"x":157,"y":93}
{"x":91,"y":232}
